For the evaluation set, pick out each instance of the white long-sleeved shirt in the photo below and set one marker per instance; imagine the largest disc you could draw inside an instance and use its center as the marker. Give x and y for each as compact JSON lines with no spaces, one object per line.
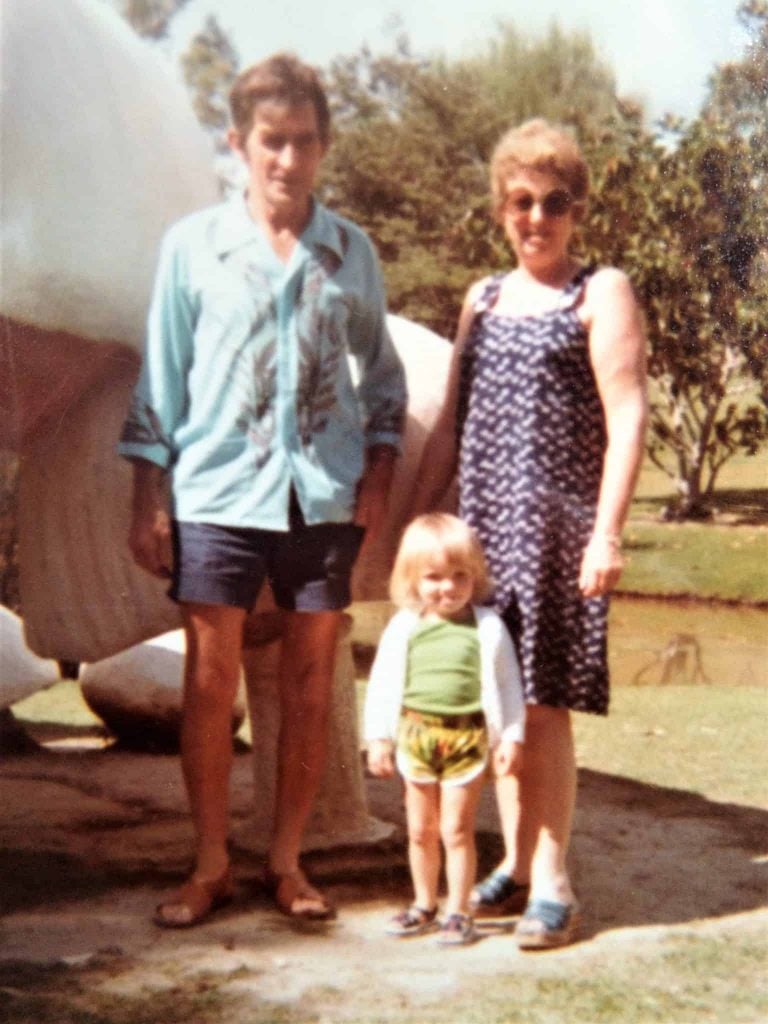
{"x":501,"y":694}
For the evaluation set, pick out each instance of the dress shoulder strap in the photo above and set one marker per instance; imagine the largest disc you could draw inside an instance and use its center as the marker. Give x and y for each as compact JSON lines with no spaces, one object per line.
{"x":489,"y":294}
{"x":573,"y":292}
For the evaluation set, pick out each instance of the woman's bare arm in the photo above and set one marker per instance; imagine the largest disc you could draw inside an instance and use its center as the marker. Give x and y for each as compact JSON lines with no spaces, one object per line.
{"x":618,"y":354}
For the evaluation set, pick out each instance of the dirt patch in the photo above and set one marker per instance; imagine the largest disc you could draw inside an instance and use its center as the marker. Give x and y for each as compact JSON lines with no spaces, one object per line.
{"x":90,"y":840}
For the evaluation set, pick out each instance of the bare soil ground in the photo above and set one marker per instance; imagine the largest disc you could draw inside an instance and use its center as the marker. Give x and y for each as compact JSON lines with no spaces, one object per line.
{"x":89,"y":840}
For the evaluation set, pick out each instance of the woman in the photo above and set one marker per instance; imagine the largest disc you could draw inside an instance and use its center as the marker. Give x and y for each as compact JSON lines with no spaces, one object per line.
{"x":547,"y":388}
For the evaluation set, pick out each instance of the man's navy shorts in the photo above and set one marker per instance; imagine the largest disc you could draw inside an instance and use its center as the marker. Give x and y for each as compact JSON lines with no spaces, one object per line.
{"x":308,"y":567}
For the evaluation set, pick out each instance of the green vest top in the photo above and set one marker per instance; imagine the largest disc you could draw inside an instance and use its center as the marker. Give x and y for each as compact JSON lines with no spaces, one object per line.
{"x":443,"y":676}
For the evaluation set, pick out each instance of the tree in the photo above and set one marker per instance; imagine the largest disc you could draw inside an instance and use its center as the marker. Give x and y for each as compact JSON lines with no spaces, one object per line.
{"x":739,"y":98}
{"x":708,"y":335}
{"x":394,"y":169}
{"x":687,"y":220}
{"x":739,"y":90}
{"x":210,"y":66}
{"x":412,"y":144}
{"x":151,"y":18}
{"x":684,"y":212}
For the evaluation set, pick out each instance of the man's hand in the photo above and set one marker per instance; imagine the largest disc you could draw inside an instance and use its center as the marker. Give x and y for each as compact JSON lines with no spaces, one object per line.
{"x":381,"y":763}
{"x":150,"y":542}
{"x":149,"y":537}
{"x":508,"y":758}
{"x":373,"y":490}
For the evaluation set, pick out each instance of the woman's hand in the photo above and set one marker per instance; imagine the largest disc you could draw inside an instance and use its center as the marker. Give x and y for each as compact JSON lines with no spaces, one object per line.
{"x":381,"y":763}
{"x":601,"y":565}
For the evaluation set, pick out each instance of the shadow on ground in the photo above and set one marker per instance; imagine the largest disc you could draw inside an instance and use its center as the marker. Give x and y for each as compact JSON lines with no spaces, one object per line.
{"x":76,"y":826}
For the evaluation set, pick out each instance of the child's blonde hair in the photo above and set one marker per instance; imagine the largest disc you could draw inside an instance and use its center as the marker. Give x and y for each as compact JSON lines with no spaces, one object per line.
{"x":437,"y":538}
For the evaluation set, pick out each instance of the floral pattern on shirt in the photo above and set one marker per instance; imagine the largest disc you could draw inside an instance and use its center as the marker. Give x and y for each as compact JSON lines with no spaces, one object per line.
{"x":142,"y":425}
{"x":255,"y":372}
{"x":321,"y":348}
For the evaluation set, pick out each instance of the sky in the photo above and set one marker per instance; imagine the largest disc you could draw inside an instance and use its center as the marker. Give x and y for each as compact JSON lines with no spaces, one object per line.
{"x":661,"y":51}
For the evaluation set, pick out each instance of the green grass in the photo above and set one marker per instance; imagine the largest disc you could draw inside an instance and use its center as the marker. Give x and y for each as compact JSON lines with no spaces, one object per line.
{"x":689,"y":979}
{"x":61,"y":704}
{"x":708,"y":740}
{"x":727,"y":563}
{"x":723,"y":559}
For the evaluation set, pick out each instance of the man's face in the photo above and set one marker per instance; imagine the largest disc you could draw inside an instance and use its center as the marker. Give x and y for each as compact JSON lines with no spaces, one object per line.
{"x":283,"y":151}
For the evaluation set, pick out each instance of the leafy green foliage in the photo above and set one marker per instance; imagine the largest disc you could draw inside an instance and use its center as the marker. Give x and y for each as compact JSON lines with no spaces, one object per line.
{"x":686,"y":217}
{"x":412,"y":144}
{"x":682,"y":223}
{"x":740,"y":89}
{"x":210,"y":65}
{"x":683,"y":211}
{"x":151,"y":18}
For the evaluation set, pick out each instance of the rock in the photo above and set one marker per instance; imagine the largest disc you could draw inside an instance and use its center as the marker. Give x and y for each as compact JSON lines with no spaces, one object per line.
{"x":138,"y":693}
{"x":426,"y":359}
{"x":22,"y":673}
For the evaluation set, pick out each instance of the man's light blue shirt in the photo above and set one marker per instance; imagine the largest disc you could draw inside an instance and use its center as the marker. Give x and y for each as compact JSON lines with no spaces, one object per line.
{"x":260,"y":375}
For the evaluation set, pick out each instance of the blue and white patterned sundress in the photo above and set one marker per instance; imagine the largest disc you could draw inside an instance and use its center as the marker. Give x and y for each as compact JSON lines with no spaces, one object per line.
{"x":532,"y":444}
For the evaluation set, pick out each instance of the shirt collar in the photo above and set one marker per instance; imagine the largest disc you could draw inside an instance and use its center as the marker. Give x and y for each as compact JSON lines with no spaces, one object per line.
{"x":236,"y":228}
{"x":323,"y":230}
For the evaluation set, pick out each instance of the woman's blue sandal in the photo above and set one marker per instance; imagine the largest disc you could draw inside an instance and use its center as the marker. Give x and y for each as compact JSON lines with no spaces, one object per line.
{"x":498,"y":895}
{"x":547,"y":925}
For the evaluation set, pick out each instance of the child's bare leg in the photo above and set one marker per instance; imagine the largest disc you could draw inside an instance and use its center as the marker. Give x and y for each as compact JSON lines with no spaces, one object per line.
{"x":458,"y":807}
{"x":422,"y":806}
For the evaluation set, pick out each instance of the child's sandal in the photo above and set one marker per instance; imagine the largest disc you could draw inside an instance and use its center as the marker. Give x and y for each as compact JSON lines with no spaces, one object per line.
{"x":457,"y":930}
{"x":413,"y":921}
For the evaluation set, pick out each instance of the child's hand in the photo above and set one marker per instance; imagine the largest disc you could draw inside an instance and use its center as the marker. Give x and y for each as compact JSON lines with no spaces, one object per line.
{"x":381,"y":763}
{"x":508,"y":758}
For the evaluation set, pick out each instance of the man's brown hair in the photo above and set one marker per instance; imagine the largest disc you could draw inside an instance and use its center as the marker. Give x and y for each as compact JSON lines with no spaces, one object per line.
{"x":284,"y":79}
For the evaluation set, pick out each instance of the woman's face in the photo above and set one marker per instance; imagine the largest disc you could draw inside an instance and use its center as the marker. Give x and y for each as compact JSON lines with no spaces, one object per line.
{"x":538,"y":216}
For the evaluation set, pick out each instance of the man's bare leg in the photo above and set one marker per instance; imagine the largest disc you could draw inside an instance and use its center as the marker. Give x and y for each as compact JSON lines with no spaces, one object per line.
{"x":307,"y":666}
{"x":212,"y":671}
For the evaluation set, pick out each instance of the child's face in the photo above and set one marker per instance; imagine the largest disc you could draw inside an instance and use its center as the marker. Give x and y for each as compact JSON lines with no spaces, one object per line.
{"x":444,"y":590}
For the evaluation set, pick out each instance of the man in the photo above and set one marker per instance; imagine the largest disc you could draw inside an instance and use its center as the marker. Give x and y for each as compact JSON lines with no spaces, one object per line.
{"x":279,"y":459}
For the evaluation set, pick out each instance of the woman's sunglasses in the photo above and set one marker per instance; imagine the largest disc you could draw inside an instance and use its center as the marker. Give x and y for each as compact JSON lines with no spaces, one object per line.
{"x":554,"y":204}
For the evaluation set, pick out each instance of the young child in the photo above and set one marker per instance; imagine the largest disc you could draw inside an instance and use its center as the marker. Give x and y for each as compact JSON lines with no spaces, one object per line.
{"x":444,"y":688}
